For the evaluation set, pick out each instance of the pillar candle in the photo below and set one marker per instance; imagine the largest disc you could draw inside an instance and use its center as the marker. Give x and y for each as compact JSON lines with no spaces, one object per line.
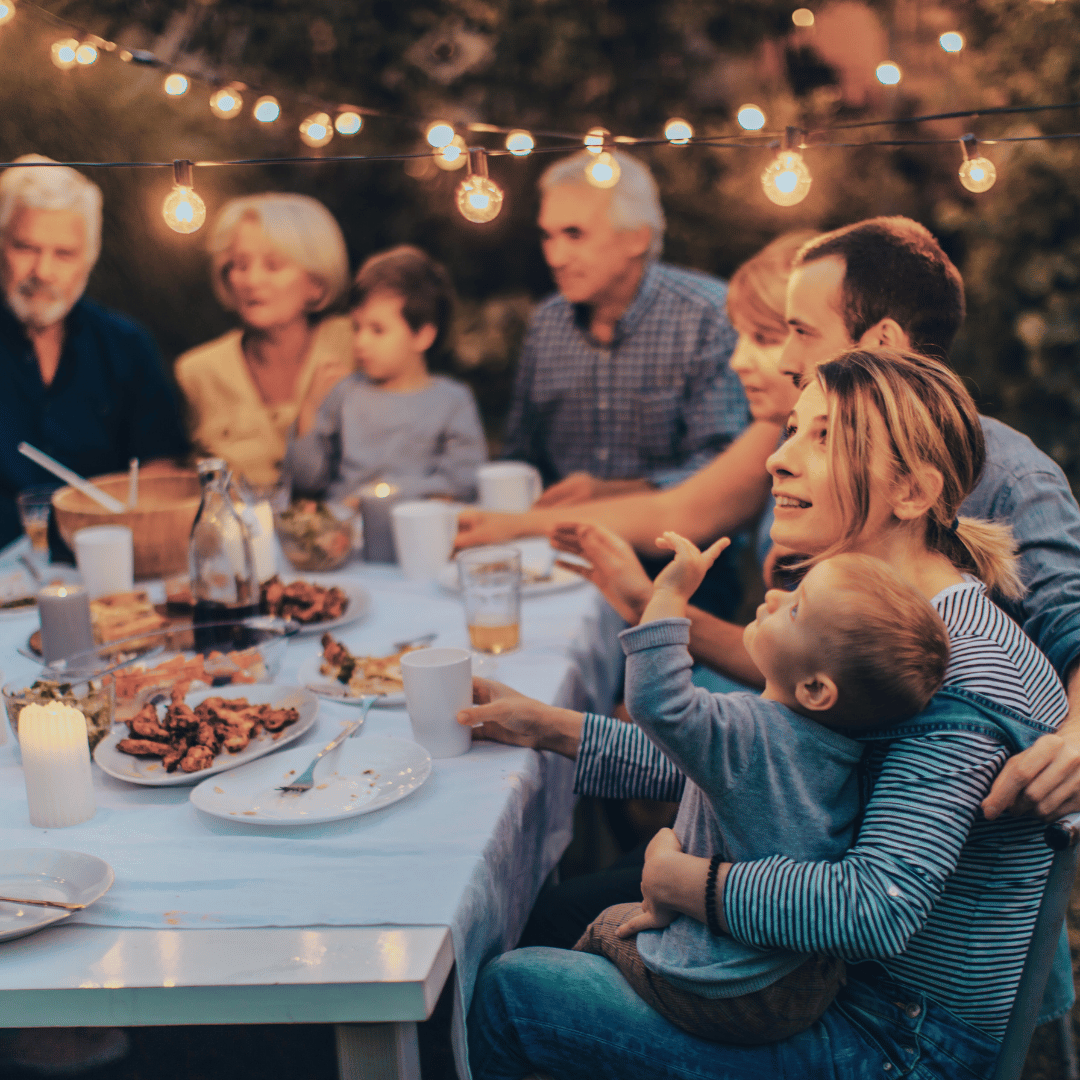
{"x":56,"y":765}
{"x":376,"y":502}
{"x":64,"y":611}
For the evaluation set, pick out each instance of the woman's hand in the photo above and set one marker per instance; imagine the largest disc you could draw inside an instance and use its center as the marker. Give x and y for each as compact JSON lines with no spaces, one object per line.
{"x":615,"y":569}
{"x":477,"y":527}
{"x":324,"y":379}
{"x":504,"y":715}
{"x":654,"y":914}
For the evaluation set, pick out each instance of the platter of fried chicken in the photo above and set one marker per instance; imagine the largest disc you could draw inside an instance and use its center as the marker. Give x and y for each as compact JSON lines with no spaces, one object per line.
{"x":317,"y":604}
{"x":183,"y":739}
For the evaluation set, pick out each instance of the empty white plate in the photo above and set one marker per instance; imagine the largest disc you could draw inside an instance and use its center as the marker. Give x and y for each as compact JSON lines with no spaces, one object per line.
{"x":47,"y":874}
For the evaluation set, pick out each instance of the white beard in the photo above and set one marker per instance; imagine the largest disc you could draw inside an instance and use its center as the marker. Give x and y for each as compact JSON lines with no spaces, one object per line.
{"x":39,"y":306}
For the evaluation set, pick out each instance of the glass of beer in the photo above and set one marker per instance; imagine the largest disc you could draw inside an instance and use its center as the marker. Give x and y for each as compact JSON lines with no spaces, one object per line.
{"x":491,"y":589}
{"x":34,"y":504}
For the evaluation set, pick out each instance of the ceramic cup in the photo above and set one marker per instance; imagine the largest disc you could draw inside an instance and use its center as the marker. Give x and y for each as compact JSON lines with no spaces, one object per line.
{"x":508,"y":485}
{"x":424,"y":534}
{"x":438,"y":685}
{"x":106,"y":559}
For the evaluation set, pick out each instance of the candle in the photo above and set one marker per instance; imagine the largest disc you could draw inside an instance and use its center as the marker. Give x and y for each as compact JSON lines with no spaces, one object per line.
{"x":376,"y":502}
{"x":64,"y":611}
{"x":56,"y":765}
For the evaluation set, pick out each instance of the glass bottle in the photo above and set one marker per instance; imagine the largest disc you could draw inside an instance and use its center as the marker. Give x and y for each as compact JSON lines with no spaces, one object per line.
{"x":223,"y":581}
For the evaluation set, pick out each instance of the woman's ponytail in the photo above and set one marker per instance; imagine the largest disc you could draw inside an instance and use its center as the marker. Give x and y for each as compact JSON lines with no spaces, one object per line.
{"x":985,"y":548}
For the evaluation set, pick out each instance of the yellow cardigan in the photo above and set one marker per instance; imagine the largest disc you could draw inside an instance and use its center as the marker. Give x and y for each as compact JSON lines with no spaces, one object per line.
{"x":227,"y":414}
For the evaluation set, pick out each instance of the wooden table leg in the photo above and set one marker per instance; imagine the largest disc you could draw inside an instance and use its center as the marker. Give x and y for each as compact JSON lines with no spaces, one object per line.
{"x":377,"y":1051}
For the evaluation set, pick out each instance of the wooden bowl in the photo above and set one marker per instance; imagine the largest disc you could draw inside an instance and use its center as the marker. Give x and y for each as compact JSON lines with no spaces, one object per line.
{"x":160,"y":524}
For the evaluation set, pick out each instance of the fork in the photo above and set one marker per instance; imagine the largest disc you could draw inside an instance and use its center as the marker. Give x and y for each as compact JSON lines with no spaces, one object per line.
{"x":416,"y":642}
{"x":306,"y":779}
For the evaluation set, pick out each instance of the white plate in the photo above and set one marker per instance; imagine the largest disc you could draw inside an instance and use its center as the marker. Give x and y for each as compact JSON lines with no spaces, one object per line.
{"x":358,"y":607}
{"x":560,"y":579}
{"x":47,"y":874}
{"x":364,"y":774}
{"x":149,"y":771}
{"x":309,"y":676}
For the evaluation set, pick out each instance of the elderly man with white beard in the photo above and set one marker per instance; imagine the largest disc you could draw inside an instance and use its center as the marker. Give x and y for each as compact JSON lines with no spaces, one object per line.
{"x":82,"y":383}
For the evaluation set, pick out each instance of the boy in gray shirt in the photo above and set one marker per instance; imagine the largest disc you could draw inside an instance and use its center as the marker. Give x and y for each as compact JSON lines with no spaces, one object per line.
{"x":392,"y":420}
{"x":854,"y":647}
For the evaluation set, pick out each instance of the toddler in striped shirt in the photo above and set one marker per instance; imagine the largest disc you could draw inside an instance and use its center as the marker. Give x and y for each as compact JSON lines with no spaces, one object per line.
{"x":852,"y":648}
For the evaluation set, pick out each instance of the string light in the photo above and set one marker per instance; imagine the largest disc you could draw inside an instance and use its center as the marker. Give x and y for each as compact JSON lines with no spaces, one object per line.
{"x":267,"y":109}
{"x":520,"y":143}
{"x":86,"y":54}
{"x":678,"y":132}
{"x":348,"y":122}
{"x":183,"y":210}
{"x":888,"y":73}
{"x":787,"y":180}
{"x":226,"y":102}
{"x":175,"y":85}
{"x":453,"y":155}
{"x":594,"y":140}
{"x":478,"y":198}
{"x":316,"y":129}
{"x":951,"y":41}
{"x":63,"y":53}
{"x":440,"y":134}
{"x":750,"y":118}
{"x":7,"y":11}
{"x":977,"y":174}
{"x":603,"y":171}
{"x":802,"y":17}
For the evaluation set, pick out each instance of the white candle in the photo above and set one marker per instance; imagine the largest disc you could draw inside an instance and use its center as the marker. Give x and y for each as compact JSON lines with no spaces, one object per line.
{"x":56,"y":765}
{"x":64,"y":611}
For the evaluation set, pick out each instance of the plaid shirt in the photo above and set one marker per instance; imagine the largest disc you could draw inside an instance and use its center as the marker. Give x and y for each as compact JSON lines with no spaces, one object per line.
{"x":658,"y":402}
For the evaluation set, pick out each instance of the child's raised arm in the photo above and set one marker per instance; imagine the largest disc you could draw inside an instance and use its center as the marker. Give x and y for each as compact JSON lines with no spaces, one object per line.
{"x":679,"y":580}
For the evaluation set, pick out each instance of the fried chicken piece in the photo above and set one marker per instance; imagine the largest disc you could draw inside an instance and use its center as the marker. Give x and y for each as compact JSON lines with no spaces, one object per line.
{"x":277,"y":719}
{"x":236,"y":739}
{"x":207,"y":735}
{"x":174,"y":756}
{"x":142,"y":747}
{"x":144,"y":724}
{"x":180,"y":719}
{"x":333,"y":651}
{"x":197,"y":757}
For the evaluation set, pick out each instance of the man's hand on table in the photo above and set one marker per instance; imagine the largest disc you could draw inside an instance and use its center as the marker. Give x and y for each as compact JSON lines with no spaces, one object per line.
{"x":477,"y":527}
{"x":506,"y":716}
{"x":615,"y":568}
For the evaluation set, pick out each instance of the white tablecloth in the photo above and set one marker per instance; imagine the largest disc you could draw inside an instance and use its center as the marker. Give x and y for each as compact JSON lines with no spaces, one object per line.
{"x":468,"y":850}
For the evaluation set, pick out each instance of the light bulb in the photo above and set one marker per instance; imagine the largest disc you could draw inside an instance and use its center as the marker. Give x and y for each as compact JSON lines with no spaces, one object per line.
{"x":184,"y":211}
{"x":678,"y":131}
{"x":63,"y":53}
{"x":453,"y":156}
{"x":7,"y":11}
{"x":802,"y":17}
{"x":751,"y":118}
{"x":317,"y":130}
{"x":86,"y":54}
{"x":594,"y":140}
{"x":978,"y":174}
{"x":175,"y":85}
{"x":226,"y":103}
{"x":603,"y":171}
{"x":787,"y":180}
{"x":440,"y":134}
{"x":267,"y":109}
{"x":348,"y":122}
{"x":888,"y":73}
{"x":520,"y":143}
{"x":479,"y":199}
{"x":951,"y":42}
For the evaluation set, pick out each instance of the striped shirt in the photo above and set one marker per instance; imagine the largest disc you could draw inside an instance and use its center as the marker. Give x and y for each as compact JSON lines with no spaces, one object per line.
{"x":658,"y":402}
{"x":946,"y":903}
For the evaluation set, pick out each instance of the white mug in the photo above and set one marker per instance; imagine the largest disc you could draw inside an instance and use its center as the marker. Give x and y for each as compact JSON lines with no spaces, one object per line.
{"x":106,"y":558}
{"x":508,"y":485}
{"x":438,"y":685}
{"x":424,"y":534}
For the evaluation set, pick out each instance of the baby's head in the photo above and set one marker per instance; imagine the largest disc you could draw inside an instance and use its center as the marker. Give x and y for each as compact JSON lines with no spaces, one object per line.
{"x":402,"y":304}
{"x":854,"y":646}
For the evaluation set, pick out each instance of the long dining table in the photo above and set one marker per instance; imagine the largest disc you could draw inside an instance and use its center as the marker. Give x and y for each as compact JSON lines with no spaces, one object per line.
{"x":356,"y":923}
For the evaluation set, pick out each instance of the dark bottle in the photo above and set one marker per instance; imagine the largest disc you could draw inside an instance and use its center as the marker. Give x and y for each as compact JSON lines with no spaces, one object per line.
{"x":223,"y":582}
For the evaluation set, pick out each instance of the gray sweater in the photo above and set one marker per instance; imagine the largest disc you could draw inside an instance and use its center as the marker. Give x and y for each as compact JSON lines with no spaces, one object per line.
{"x":429,"y":442}
{"x":761,"y":780}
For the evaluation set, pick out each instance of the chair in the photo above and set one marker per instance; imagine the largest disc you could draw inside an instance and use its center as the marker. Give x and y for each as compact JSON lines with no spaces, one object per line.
{"x":1063,"y":837}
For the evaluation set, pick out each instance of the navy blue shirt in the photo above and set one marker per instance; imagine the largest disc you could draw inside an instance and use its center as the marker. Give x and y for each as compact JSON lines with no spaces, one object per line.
{"x":110,"y":401}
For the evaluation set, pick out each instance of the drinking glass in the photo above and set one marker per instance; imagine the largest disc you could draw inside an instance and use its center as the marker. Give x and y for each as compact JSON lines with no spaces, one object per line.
{"x":35,"y":503}
{"x":491,"y":590}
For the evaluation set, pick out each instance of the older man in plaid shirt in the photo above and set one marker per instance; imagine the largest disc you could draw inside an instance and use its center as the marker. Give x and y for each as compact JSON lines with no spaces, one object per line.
{"x":624,"y":381}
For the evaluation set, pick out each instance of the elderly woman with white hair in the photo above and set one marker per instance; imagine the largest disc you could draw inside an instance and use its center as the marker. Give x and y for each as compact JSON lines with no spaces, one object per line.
{"x":278,"y":261}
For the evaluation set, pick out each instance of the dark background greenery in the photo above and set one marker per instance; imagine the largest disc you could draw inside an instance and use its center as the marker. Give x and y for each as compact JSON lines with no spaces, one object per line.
{"x":564,"y":65}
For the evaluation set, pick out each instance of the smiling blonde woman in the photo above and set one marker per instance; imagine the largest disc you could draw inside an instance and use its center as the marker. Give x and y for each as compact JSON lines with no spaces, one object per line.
{"x":279,"y":261}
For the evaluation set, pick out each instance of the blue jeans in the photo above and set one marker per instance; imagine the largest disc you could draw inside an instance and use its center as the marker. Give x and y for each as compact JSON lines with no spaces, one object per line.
{"x":574,"y":1016}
